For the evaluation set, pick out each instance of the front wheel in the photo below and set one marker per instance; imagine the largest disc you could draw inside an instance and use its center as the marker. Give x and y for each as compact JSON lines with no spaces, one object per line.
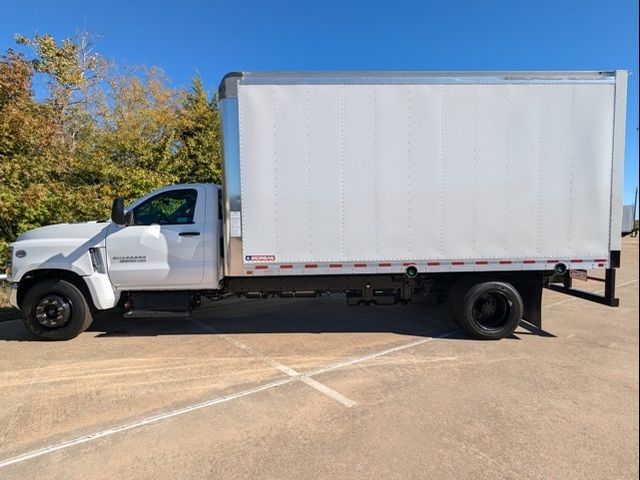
{"x":487,"y":310}
{"x":55,"y":310}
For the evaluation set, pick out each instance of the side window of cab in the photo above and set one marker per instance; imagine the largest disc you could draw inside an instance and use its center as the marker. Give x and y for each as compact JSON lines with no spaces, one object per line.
{"x":173,"y":207}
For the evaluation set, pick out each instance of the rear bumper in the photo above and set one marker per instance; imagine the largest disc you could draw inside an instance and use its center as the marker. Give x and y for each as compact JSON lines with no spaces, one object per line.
{"x":609,"y":298}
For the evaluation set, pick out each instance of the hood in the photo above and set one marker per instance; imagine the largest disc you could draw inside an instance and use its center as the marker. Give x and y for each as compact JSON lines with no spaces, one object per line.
{"x":83,"y":232}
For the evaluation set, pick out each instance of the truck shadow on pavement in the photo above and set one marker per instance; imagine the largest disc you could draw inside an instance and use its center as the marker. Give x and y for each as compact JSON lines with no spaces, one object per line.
{"x":312,"y":316}
{"x":297,"y":316}
{"x":9,"y":313}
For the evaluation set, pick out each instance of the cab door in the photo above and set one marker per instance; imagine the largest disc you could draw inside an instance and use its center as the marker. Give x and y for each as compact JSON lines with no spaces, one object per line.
{"x":164,"y":246}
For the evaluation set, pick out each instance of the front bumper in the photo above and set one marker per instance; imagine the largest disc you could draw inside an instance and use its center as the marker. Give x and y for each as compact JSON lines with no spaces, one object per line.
{"x":13,"y":295}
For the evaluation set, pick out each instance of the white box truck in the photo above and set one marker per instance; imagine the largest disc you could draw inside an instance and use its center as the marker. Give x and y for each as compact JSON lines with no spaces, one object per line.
{"x":475,"y":188}
{"x":629,"y":218}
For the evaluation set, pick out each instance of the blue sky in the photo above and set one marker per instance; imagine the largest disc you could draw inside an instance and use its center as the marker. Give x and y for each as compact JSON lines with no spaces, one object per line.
{"x":214,"y":37}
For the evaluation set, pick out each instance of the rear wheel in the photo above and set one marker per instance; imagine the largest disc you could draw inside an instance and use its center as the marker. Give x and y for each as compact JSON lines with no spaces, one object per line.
{"x":55,"y":310}
{"x":486,"y":310}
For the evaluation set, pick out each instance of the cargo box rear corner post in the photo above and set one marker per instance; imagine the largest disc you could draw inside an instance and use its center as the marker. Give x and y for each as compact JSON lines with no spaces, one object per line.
{"x":476,"y":188}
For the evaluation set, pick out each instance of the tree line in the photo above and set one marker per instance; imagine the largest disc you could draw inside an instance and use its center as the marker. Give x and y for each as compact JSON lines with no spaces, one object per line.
{"x":77,"y":130}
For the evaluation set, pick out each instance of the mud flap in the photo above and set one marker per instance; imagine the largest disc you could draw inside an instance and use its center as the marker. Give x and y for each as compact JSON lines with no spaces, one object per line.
{"x":530,"y":289}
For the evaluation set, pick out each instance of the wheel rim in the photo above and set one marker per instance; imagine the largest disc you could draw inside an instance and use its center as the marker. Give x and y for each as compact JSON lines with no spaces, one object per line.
{"x":491,"y":310}
{"x":53,"y":311}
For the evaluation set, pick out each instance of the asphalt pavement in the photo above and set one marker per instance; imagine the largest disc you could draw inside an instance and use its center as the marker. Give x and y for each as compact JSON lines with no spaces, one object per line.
{"x":311,"y":388}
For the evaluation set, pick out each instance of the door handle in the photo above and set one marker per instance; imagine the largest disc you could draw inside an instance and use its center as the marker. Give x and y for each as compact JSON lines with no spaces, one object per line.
{"x":189,"y":234}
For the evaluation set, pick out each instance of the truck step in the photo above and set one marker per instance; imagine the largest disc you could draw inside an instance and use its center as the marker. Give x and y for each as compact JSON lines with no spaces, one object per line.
{"x":161,"y":304}
{"x":155,"y":314}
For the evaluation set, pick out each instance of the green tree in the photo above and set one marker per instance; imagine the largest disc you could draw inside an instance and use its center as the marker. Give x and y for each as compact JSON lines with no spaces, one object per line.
{"x":137,"y":134}
{"x":199,"y":155}
{"x":72,"y":72}
{"x":100,"y":130}
{"x":32,"y":154}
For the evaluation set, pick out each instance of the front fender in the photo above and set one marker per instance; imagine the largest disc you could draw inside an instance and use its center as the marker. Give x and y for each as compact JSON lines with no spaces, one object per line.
{"x":97,"y":286}
{"x":101,"y":290}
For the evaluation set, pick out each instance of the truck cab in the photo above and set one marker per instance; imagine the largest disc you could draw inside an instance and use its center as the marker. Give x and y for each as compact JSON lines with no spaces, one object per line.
{"x":167,"y":241}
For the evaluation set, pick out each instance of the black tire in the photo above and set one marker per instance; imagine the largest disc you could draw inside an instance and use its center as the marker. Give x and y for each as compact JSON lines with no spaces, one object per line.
{"x":488,"y":310}
{"x":53,"y":296}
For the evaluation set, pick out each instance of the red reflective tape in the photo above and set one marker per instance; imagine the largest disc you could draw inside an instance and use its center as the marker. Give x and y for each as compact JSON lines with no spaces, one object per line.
{"x":481,"y":262}
{"x":261,"y":267}
{"x":505,"y":262}
{"x":576,"y":260}
{"x":359,"y":265}
{"x":286,"y":266}
{"x":528,"y":261}
{"x":601,"y":264}
{"x":311,"y":265}
{"x":433,"y":264}
{"x":600,"y":260}
{"x":384,"y":264}
{"x":553,"y":261}
{"x":335,"y":265}
{"x":457,"y":263}
{"x":408,"y":264}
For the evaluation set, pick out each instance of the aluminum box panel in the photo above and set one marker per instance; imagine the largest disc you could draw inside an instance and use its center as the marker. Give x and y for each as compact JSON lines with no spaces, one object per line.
{"x":424,"y":170}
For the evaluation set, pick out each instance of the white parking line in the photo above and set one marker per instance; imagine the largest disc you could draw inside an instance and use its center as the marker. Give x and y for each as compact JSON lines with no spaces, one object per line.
{"x":353,"y":361}
{"x":328,"y":391}
{"x":274,"y":363}
{"x":140,"y":423}
{"x":226,"y":398}
{"x":210,"y":403}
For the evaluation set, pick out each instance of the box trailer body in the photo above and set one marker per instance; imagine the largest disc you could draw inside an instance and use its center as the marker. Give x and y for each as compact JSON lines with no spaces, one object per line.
{"x":475,"y":188}
{"x":629,"y":217}
{"x":342,"y":174}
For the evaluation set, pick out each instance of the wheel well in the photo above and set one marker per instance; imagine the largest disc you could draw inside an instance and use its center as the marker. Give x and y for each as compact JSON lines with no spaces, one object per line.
{"x":528,"y":285}
{"x":35,"y":276}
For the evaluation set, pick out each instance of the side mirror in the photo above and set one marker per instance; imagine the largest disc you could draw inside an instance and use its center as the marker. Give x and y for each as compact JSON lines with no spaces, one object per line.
{"x":128,"y":217}
{"x":117,"y":211}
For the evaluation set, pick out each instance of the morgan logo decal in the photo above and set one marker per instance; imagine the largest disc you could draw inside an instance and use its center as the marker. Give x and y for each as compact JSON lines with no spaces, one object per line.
{"x":260,"y":258}
{"x":130,"y":259}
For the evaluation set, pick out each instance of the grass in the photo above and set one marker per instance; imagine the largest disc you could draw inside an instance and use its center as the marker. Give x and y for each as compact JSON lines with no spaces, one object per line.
{"x":7,"y":312}
{"x":4,"y":294}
